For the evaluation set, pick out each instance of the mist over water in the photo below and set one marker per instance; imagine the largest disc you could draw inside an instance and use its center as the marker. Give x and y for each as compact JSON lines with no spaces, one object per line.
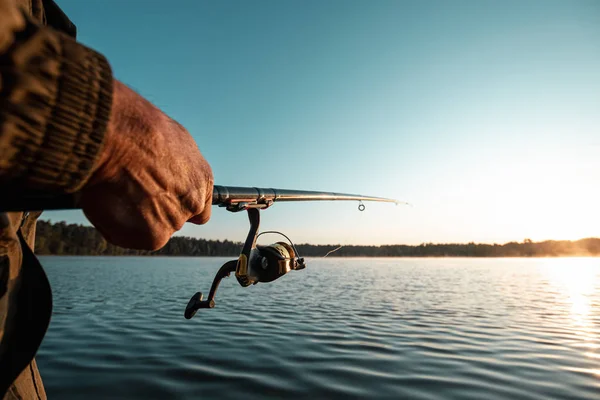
{"x":341,"y":328}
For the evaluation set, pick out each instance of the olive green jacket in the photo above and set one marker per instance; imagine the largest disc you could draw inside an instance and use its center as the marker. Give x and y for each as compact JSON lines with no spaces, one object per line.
{"x":55,"y":102}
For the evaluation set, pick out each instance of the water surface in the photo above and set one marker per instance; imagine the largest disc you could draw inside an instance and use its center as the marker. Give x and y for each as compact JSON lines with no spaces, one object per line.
{"x":342,"y":328}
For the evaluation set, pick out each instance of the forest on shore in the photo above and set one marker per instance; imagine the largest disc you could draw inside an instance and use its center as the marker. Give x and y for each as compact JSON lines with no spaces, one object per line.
{"x":61,"y":238}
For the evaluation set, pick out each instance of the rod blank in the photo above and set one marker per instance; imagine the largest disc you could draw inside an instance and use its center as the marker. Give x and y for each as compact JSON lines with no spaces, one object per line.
{"x":222,"y":196}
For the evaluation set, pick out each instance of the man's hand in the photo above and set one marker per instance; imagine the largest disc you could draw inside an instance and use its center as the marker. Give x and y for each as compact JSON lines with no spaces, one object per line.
{"x":150,"y":178}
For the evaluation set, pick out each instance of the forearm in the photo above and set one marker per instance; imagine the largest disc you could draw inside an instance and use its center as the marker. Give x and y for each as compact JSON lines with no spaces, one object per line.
{"x":55,"y":102}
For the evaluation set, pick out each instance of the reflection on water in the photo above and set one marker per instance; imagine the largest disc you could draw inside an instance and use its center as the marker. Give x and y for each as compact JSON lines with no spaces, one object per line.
{"x":577,"y":281}
{"x":377,"y":328}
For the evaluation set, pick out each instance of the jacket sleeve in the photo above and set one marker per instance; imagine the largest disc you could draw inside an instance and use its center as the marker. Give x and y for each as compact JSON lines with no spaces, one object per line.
{"x":55,"y":102}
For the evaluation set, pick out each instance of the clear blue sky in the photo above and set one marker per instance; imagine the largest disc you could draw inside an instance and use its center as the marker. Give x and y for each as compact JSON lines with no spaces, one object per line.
{"x":483,"y":114}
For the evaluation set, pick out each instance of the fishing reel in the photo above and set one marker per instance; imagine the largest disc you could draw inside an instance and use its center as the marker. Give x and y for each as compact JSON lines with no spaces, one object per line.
{"x":255,"y":264}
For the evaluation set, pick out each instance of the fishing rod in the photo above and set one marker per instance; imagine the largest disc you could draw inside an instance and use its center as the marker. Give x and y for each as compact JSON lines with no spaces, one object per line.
{"x":263,"y":263}
{"x":233,"y":198}
{"x":256,"y":263}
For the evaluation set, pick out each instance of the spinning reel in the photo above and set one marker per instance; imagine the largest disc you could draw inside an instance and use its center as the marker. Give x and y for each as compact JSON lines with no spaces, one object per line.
{"x":255,"y":264}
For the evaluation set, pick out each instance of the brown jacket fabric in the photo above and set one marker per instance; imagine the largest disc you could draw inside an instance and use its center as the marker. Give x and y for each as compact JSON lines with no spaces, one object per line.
{"x":55,"y":101}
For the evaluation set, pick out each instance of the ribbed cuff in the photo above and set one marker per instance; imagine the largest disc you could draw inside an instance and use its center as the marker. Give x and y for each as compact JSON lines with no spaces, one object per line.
{"x":77,"y":123}
{"x":56,"y":101}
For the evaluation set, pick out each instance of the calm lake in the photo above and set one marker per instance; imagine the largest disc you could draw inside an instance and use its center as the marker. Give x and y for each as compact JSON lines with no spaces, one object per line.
{"x":341,"y":328}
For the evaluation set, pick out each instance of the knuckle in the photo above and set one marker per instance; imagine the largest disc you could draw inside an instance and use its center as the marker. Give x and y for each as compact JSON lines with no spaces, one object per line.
{"x":157,"y":241}
{"x":204,"y":218}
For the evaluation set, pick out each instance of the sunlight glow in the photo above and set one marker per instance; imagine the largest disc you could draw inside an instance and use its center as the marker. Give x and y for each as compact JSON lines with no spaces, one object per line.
{"x":577,"y":282}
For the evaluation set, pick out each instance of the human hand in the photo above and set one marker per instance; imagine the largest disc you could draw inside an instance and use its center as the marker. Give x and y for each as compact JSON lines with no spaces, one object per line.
{"x":150,"y":178}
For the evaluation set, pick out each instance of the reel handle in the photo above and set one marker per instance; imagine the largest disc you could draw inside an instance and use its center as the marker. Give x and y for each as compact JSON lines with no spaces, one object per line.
{"x":197,"y":303}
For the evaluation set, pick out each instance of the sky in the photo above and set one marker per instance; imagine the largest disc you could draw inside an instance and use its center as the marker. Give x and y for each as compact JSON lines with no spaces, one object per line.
{"x":484,"y":115}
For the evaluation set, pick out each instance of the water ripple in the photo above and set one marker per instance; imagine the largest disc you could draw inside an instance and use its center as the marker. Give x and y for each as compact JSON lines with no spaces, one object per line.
{"x":383,"y":328}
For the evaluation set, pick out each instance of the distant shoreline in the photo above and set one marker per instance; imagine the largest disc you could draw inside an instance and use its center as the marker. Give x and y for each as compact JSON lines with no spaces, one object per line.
{"x":77,"y":240}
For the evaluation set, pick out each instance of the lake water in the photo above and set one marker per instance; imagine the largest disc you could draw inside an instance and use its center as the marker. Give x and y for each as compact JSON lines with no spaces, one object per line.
{"x":341,"y":328}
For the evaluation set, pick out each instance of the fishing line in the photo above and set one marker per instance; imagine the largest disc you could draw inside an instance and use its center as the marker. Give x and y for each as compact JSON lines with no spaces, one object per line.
{"x":332,"y":251}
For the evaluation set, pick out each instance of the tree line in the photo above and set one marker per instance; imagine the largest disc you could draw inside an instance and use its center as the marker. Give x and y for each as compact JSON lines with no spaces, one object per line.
{"x":61,"y":238}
